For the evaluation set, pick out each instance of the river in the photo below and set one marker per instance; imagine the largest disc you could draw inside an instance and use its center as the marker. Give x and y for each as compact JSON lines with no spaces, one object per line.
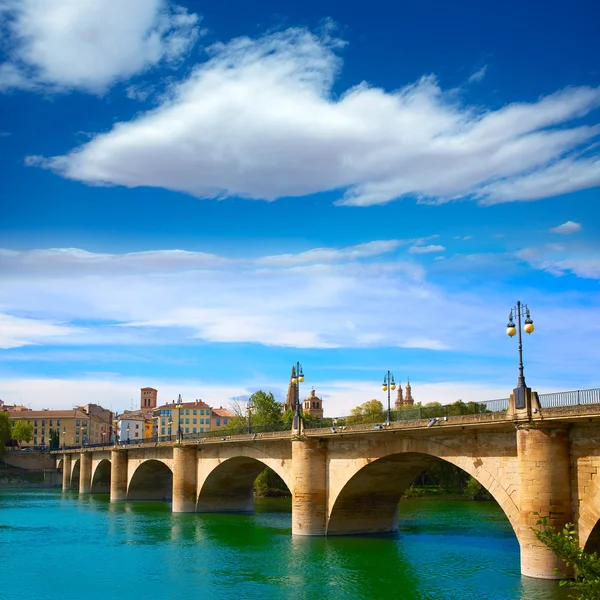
{"x":60,"y":547}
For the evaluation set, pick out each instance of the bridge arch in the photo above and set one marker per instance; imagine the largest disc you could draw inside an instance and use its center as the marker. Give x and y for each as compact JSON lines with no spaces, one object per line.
{"x":75,"y":474}
{"x":366,"y":499}
{"x":588,"y":524}
{"x":228,"y":484}
{"x":152,"y":480}
{"x":101,"y":477}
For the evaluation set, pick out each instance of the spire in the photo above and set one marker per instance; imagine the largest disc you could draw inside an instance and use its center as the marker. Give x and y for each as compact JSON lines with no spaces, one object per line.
{"x":292,"y":395}
{"x":409,"y":399}
{"x":399,"y":398}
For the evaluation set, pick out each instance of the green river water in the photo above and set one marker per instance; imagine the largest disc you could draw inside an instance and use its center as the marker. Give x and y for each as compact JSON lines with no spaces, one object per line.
{"x":57,"y":546}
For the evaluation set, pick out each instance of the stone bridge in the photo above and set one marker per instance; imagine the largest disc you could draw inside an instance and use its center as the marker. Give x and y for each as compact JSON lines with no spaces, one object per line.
{"x":349,"y":481}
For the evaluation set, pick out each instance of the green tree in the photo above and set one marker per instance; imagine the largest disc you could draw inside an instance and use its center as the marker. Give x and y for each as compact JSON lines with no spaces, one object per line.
{"x":368,"y":412}
{"x":565,"y":545}
{"x":268,"y":483}
{"x":5,"y":430}
{"x":22,"y":431}
{"x":267,"y":411}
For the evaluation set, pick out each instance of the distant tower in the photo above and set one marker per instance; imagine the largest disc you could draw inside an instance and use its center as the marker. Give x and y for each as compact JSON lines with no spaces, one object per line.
{"x":292,"y":395}
{"x":148,"y":398}
{"x":400,"y":398}
{"x":313,"y":405}
{"x":409,"y":400}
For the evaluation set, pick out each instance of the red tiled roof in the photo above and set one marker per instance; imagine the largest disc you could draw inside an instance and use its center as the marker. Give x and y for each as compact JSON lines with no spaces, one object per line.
{"x":222,"y":412}
{"x":198,"y":404}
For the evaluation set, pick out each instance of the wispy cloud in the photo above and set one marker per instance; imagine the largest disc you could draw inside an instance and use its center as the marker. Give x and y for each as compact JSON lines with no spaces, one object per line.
{"x":478,"y":75}
{"x":291,"y":137}
{"x":580,"y":260}
{"x":567,"y":228}
{"x":89,"y":45}
{"x":426,"y":249}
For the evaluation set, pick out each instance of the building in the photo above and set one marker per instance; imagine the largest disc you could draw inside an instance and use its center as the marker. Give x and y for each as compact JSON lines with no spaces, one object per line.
{"x":292,"y":395}
{"x":187,"y":417}
{"x":313,"y":405}
{"x":404,"y":400}
{"x":69,"y":427}
{"x":220,"y":417}
{"x":130,"y":427}
{"x":149,"y":398}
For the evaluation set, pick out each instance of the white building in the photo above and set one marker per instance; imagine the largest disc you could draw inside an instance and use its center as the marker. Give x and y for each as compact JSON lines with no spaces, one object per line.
{"x":130,"y":429}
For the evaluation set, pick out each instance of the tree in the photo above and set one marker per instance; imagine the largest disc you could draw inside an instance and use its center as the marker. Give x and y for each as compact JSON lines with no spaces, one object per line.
{"x":22,"y":431}
{"x":265,"y":411}
{"x":368,"y":412}
{"x":565,"y":545}
{"x":5,"y":430}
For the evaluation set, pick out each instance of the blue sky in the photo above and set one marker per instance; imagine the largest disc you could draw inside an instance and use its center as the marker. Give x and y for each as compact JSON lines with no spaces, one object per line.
{"x":197,"y":195}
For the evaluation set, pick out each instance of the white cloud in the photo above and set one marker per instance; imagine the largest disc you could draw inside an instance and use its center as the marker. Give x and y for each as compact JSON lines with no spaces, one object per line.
{"x":90,"y":44}
{"x":478,"y":75}
{"x":582,"y":261}
{"x":258,"y":120}
{"x":425,"y":249}
{"x":567,"y":228}
{"x":16,"y":332}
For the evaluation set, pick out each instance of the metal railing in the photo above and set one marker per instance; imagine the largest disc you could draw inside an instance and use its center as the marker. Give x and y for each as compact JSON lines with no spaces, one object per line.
{"x":459,"y":408}
{"x":572,"y":398}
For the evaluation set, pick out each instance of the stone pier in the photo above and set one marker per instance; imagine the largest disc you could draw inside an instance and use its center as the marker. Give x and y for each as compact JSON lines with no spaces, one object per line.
{"x":185,"y":471}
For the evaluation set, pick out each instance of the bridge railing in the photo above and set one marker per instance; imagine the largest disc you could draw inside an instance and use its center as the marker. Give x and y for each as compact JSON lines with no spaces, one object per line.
{"x":571,"y":398}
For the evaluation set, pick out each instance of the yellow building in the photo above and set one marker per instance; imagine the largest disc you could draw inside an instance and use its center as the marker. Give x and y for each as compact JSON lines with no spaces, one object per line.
{"x":71,"y":427}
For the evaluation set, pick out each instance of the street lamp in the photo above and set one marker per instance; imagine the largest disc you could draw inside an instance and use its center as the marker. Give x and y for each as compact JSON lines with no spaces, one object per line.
{"x":297,"y":380}
{"x":127,"y":430}
{"x":388,"y":384}
{"x":249,"y":409}
{"x":83,"y":432}
{"x":103,"y":433}
{"x":178,"y":406}
{"x":170,"y":423}
{"x":64,"y":437}
{"x":511,"y":330}
{"x":116,"y":429}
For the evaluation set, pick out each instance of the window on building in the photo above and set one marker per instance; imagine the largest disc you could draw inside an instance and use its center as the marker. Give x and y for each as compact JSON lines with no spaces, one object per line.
{"x":201,"y":429}
{"x":58,"y":422}
{"x":163,"y":422}
{"x":187,"y":429}
{"x":194,"y":430}
{"x":43,"y":423}
{"x":77,"y":430}
{"x":35,"y":441}
{"x":194,"y":412}
{"x":35,"y":423}
{"x":137,"y":425}
{"x":85,"y":423}
{"x":187,"y":412}
{"x":50,"y":423}
{"x":224,"y":421}
{"x":218,"y":422}
{"x":43,"y":431}
{"x":77,"y":440}
{"x":35,"y":432}
{"x":77,"y":423}
{"x":187,"y":421}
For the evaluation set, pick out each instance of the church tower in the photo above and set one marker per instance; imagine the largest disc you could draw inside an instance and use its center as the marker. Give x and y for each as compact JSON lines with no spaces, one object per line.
{"x":292,"y":395}
{"x":400,"y":398}
{"x":313,"y":405}
{"x":409,"y":400}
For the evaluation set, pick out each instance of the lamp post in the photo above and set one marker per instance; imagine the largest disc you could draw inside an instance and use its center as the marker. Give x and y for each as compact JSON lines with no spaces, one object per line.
{"x":511,"y":330}
{"x":64,"y":437}
{"x":178,"y":406}
{"x":388,"y":384}
{"x":103,"y":433}
{"x":83,"y":432}
{"x":297,"y":380}
{"x":249,"y":409}
{"x":170,"y":423}
{"x":127,"y":430}
{"x":116,"y":429}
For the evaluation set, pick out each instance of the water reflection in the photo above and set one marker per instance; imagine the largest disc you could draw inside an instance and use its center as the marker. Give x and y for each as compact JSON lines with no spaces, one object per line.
{"x":444,"y":550}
